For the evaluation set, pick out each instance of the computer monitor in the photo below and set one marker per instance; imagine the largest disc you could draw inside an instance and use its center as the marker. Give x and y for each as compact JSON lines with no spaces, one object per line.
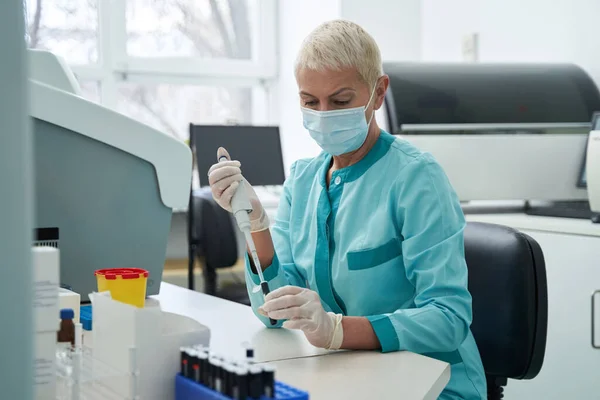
{"x":258,"y":148}
{"x":595,"y":126}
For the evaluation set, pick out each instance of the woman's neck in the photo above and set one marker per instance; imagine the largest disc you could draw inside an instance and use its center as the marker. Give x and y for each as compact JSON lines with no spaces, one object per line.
{"x":348,"y":159}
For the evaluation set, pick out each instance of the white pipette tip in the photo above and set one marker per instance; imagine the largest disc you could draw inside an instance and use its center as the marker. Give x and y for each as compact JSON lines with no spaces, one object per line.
{"x":254,"y":255}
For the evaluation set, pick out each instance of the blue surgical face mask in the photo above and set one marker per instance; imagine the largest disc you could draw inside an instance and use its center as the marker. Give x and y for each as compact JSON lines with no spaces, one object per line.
{"x":338,"y":131}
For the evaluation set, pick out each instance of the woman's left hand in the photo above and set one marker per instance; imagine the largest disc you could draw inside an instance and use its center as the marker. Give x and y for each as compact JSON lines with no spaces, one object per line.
{"x":302,"y":309}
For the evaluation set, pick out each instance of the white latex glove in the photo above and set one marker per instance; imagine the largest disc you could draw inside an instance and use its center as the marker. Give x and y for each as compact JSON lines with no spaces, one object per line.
{"x":303,"y":310}
{"x":224,"y":179}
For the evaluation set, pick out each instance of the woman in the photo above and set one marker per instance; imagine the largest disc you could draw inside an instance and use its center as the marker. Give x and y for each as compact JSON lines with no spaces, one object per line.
{"x":367,"y":248}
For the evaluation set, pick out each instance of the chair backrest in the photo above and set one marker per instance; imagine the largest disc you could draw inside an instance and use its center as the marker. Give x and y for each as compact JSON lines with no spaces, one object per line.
{"x":213,"y":228}
{"x":507,"y":280}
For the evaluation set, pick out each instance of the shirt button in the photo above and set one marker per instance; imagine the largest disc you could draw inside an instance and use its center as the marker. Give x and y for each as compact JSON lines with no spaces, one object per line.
{"x":338,"y":180}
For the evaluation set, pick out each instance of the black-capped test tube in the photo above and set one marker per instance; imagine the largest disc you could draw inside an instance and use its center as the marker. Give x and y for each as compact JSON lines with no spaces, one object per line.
{"x":211,"y":372}
{"x":269,"y":380}
{"x":204,"y":367}
{"x":240,"y":384}
{"x":255,"y":385}
{"x":184,"y":361}
{"x":217,"y":374}
{"x":228,"y":374}
{"x":224,"y":377}
{"x":223,"y":372}
{"x":249,"y":355}
{"x":193,"y":365}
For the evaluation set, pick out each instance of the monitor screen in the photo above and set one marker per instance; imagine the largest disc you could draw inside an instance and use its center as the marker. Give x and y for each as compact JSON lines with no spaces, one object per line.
{"x":595,"y":127}
{"x":258,"y":148}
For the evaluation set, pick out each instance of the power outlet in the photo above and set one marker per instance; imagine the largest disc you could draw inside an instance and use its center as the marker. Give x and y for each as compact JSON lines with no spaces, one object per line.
{"x":470,"y":47}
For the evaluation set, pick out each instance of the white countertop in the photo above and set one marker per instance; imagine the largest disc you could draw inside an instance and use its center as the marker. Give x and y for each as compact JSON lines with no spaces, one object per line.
{"x":522,"y":221}
{"x":231,"y":324}
{"x":367,"y":375}
{"x":329,"y":375}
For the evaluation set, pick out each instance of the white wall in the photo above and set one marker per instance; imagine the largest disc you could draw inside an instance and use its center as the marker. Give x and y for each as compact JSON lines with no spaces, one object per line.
{"x":296,"y":20}
{"x":443,"y":24}
{"x":514,"y":31}
{"x":395,"y":25}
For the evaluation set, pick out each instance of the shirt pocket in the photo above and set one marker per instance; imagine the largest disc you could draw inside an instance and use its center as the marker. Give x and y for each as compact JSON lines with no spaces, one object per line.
{"x":369,"y":258}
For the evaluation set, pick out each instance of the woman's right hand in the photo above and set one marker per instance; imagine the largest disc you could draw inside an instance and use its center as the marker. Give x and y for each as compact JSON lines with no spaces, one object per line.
{"x":225,"y":178}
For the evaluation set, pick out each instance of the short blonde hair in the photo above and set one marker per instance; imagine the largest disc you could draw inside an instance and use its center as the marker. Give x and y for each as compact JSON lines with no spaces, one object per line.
{"x":340,"y":44}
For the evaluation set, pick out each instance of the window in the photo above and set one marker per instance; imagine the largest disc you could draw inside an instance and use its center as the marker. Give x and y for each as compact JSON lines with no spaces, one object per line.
{"x":68,"y":28}
{"x":90,"y":90}
{"x":166,"y":63}
{"x":190,"y":28}
{"x":171,"y":108}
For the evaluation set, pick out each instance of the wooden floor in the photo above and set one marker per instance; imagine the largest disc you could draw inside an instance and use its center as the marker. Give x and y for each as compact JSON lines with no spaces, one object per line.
{"x":176,"y":272}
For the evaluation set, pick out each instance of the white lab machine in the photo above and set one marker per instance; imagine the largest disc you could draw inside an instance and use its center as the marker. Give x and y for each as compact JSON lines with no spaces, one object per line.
{"x":500,"y":131}
{"x":47,"y":68}
{"x":592,"y":167}
{"x":105,"y":189}
{"x":105,"y":184}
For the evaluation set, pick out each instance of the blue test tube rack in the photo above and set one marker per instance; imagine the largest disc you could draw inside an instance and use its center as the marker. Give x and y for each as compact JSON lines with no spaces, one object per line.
{"x":187,"y":389}
{"x":85,"y":317}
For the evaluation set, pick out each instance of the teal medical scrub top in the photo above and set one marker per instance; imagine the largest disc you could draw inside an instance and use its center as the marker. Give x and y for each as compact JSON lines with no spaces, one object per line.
{"x":383,"y":241}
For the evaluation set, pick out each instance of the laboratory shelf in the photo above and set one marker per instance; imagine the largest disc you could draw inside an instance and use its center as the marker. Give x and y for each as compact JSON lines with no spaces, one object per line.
{"x":187,"y":389}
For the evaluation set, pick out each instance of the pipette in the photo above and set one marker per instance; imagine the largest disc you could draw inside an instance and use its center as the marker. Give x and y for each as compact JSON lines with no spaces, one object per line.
{"x":241,"y":208}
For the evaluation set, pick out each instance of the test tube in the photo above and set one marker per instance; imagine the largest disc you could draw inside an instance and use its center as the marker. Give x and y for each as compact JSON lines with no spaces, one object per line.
{"x":269,"y":380}
{"x":255,"y":386}
{"x":222,"y":371}
{"x":249,"y":352}
{"x":240,"y":386}
{"x":194,"y":365}
{"x":204,"y":367}
{"x":211,"y":372}
{"x":250,"y":355}
{"x":228,"y":379}
{"x":218,"y":377}
{"x":184,"y":361}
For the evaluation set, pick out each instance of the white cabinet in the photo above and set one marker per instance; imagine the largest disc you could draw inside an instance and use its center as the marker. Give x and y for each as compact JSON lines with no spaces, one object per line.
{"x":571,"y":367}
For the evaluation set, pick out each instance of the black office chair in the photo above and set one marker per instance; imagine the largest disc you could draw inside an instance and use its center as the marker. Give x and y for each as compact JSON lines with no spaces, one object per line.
{"x":211,"y":235}
{"x":507,"y":280}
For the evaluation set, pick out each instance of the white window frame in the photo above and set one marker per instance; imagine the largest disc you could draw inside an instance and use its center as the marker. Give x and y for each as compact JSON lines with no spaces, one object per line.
{"x":115,"y":65}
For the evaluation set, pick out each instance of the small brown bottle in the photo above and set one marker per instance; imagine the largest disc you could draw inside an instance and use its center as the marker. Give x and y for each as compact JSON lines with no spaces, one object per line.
{"x":66,"y":333}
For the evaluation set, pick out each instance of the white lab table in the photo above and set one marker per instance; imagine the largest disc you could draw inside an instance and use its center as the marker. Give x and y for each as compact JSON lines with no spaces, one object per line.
{"x":366,"y":375}
{"x":325,"y":375}
{"x":232,"y":324}
{"x":571,"y":250}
